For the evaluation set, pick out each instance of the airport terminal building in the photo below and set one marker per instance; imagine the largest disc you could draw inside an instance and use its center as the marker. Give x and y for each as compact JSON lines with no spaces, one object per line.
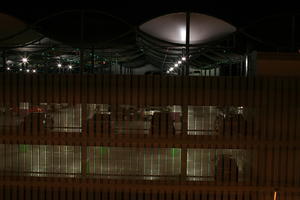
{"x":167,"y":110}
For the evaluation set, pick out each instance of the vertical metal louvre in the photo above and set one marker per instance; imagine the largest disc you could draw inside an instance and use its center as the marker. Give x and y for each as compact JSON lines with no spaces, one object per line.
{"x":149,"y":137}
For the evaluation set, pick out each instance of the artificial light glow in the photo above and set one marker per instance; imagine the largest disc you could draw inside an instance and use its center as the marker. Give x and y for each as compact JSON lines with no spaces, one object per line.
{"x":183,"y":58}
{"x":59,"y":65}
{"x":179,"y":62}
{"x":33,"y":70}
{"x":25,"y":60}
{"x":275,"y":195}
{"x":183,"y":34}
{"x":20,"y":69}
{"x":171,"y":69}
{"x":246,"y":65}
{"x":8,"y":68}
{"x":27,"y":70}
{"x":176,"y":65}
{"x":70,"y":66}
{"x":8,"y":62}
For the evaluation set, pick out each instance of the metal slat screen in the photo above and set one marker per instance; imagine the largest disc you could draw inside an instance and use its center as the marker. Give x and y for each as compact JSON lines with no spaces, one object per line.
{"x":149,"y":137}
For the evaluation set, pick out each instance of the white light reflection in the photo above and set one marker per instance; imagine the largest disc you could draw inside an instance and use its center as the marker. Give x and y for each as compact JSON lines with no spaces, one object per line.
{"x":182,"y":34}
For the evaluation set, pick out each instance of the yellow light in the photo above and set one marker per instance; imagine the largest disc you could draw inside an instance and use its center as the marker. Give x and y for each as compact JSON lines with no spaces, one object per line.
{"x":275,"y":195}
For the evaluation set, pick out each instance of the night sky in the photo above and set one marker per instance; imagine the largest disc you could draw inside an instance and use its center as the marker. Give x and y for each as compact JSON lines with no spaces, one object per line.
{"x":256,"y":18}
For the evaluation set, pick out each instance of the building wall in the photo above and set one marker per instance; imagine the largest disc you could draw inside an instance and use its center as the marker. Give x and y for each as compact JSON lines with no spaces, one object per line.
{"x":278,"y":64}
{"x":148,"y":137}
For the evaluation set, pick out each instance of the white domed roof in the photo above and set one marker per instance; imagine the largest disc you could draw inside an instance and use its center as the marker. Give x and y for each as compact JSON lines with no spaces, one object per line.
{"x":172,"y":28}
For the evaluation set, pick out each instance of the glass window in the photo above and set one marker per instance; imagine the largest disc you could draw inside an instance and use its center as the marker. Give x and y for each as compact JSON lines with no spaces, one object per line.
{"x":124,"y":161}
{"x":40,"y":160}
{"x":218,"y":164}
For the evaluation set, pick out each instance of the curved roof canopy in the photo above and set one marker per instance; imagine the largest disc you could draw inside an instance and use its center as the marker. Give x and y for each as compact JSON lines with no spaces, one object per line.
{"x":14,"y":32}
{"x":172,"y":28}
{"x":89,"y":28}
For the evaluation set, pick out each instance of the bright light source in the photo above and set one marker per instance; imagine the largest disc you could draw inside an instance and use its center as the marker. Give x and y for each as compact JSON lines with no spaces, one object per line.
{"x":171,"y":69}
{"x":8,"y":68}
{"x":59,"y":65}
{"x":33,"y":70}
{"x":20,"y":69}
{"x":183,"y":34}
{"x":176,"y":65}
{"x":27,"y":70}
{"x":183,"y":58}
{"x":25,"y":60}
{"x":275,"y":195}
{"x":179,"y":62}
{"x":168,"y":72}
{"x":246,"y":65}
{"x":70,"y":66}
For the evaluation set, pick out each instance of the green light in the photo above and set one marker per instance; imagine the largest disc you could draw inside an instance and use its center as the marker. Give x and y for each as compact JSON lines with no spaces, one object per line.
{"x":23,"y":148}
{"x":103,"y":150}
{"x":175,"y":152}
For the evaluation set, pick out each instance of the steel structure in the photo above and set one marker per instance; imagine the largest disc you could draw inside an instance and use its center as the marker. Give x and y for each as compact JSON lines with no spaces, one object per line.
{"x":113,"y":133}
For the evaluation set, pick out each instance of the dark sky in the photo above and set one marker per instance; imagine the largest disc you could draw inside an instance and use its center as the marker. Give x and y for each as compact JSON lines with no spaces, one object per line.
{"x":239,"y":13}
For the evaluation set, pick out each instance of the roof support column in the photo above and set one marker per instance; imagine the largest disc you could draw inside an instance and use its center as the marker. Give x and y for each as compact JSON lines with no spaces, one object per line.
{"x":293,"y":34}
{"x":81,"y":61}
{"x":187,"y":43}
{"x":93,"y":57}
{"x":3,"y":59}
{"x":82,"y":43}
